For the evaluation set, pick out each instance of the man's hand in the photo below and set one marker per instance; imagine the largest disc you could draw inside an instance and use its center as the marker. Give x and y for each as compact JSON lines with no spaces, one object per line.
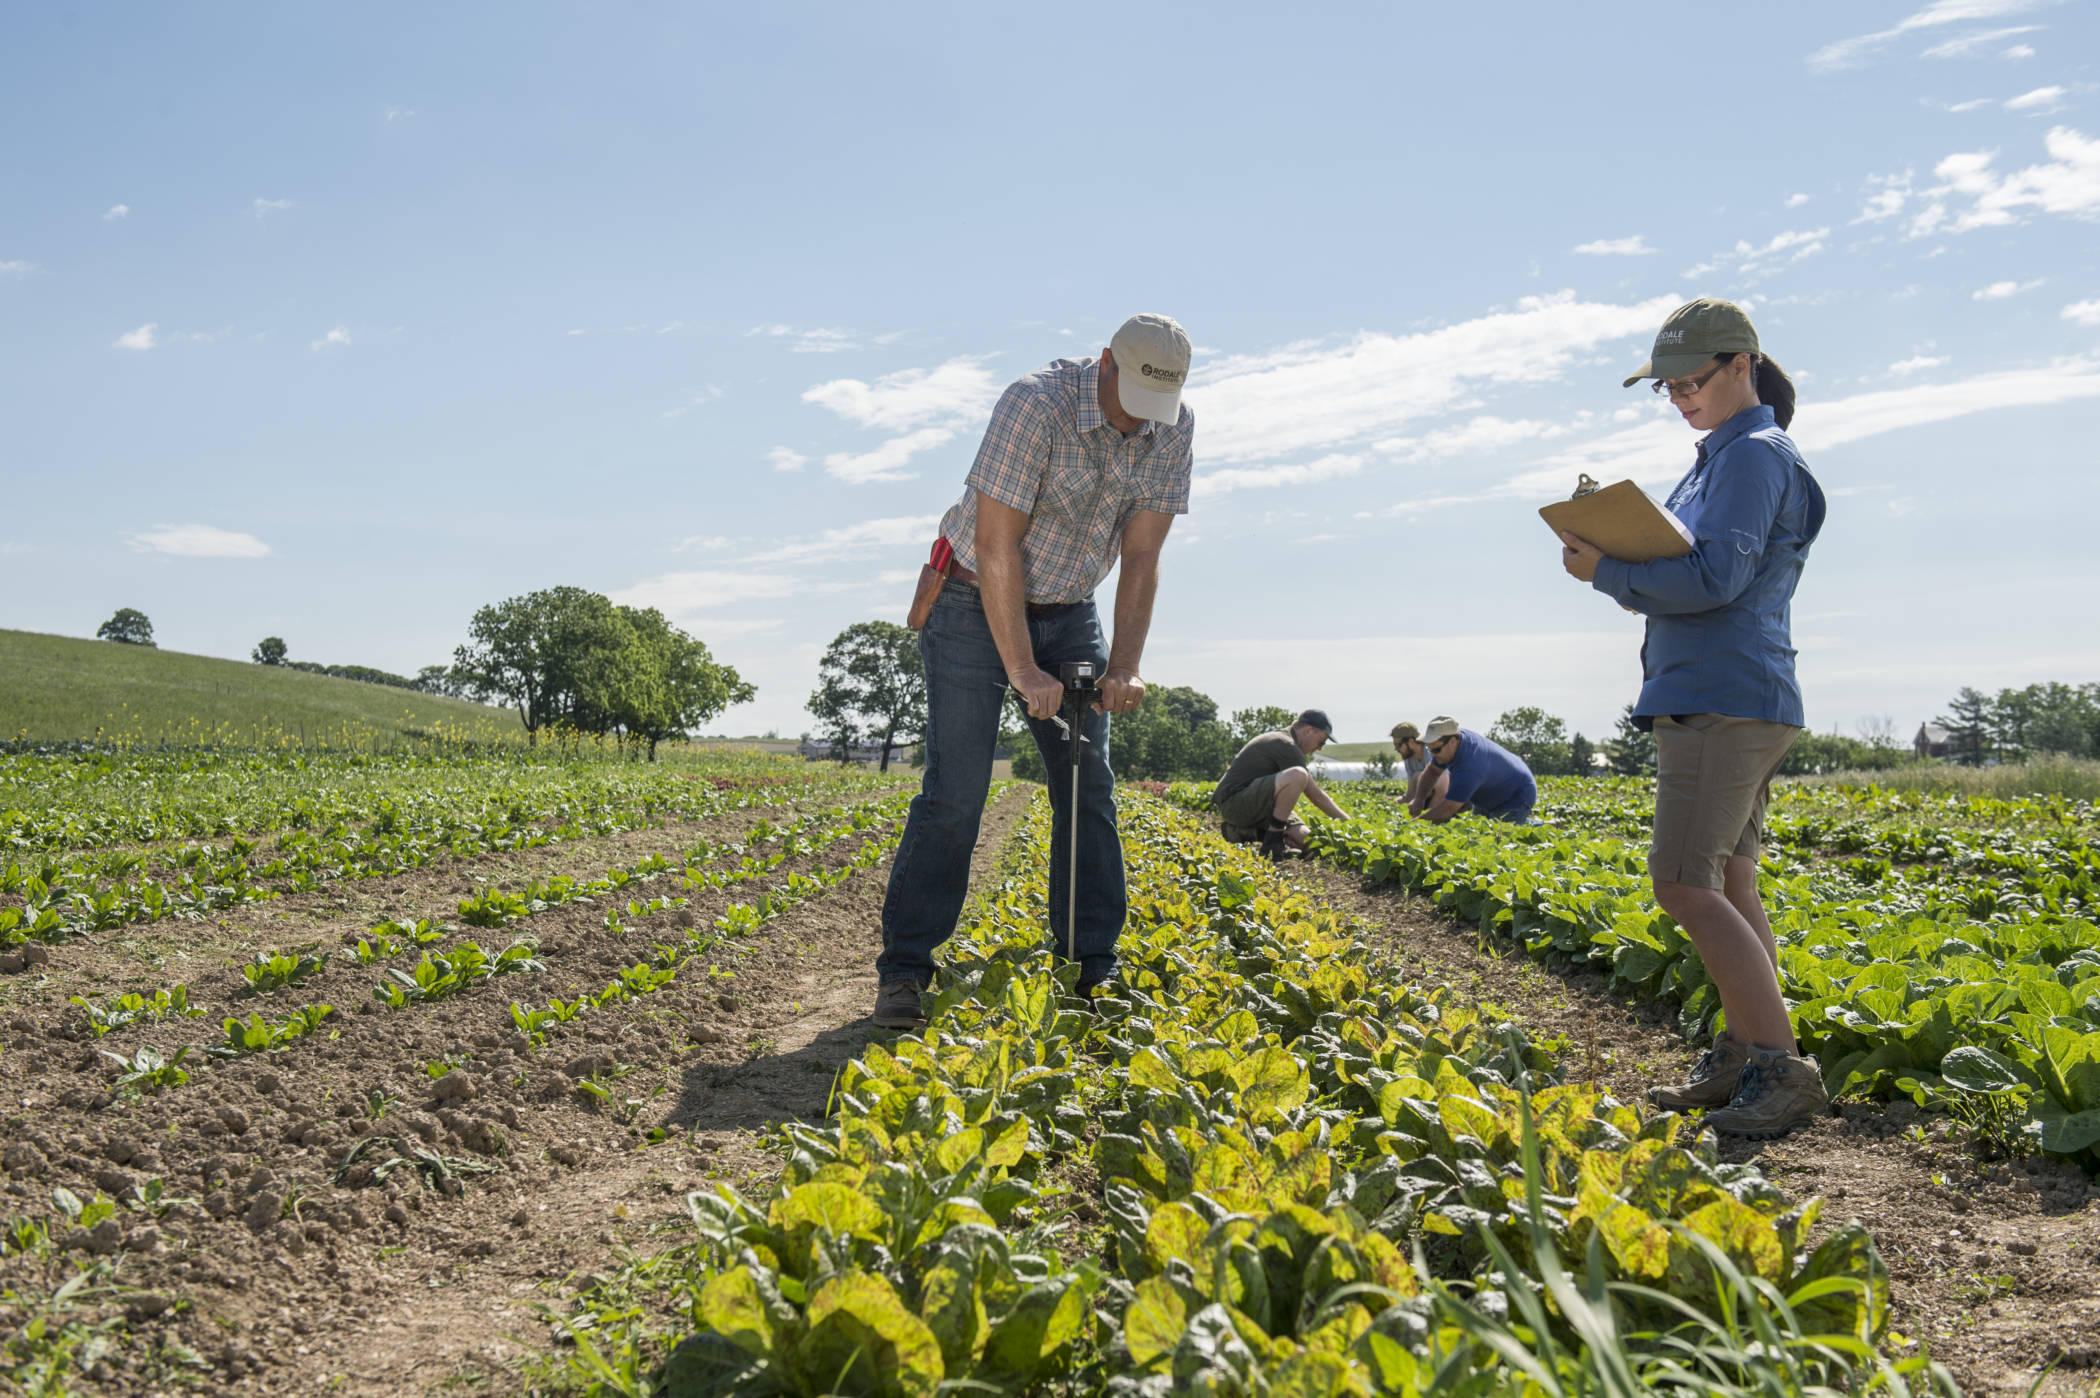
{"x":1040,"y":690}
{"x":1580,"y":557}
{"x":1121,"y":691}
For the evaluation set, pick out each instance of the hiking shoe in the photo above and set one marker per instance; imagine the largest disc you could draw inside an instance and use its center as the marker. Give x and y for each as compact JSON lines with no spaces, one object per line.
{"x":1100,"y":985}
{"x":1712,"y":1083}
{"x":1775,"y":1092}
{"x":897,"y":1005}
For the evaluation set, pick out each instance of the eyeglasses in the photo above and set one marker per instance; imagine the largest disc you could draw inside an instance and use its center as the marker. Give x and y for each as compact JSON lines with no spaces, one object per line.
{"x":1685,"y":388}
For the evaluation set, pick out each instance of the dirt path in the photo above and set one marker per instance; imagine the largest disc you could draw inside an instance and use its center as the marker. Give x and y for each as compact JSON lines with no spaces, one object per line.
{"x":801,"y":995}
{"x":1993,"y":1264}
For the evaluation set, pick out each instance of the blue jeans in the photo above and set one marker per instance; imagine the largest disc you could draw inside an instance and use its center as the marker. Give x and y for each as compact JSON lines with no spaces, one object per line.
{"x":965,"y":690}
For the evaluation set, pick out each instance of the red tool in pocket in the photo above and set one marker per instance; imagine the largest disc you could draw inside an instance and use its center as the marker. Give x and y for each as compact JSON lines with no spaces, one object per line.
{"x":932,"y":578}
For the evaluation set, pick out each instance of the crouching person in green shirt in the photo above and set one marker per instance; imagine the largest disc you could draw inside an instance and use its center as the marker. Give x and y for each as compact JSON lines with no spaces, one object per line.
{"x":1260,"y":789}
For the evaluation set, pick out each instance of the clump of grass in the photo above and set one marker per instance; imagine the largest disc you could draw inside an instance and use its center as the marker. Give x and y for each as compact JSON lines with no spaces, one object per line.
{"x":2050,"y":774}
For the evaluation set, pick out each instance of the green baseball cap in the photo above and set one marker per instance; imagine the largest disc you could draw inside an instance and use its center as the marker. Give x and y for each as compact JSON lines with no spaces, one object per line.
{"x":1693,"y":335}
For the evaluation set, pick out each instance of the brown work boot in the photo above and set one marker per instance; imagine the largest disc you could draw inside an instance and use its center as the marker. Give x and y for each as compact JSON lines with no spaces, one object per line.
{"x":1776,"y":1092}
{"x":1711,"y":1084}
{"x":897,"y":1005}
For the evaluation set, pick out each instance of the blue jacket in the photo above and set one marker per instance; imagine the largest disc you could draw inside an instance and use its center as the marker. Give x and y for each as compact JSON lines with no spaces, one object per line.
{"x":1489,"y":775}
{"x":1720,"y":636}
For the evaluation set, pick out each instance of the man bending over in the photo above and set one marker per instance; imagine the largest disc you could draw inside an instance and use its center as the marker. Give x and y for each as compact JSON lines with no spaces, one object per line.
{"x":1262,"y":786}
{"x":1469,"y":772}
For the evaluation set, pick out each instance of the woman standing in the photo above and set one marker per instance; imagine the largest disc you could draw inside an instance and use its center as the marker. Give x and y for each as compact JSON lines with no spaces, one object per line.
{"x":1719,"y":692}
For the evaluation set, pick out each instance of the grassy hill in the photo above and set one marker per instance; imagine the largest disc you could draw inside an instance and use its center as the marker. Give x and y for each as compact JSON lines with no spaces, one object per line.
{"x":62,"y":687}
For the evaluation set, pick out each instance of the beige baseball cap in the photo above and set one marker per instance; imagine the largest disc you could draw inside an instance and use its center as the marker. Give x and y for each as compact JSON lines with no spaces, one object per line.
{"x":1693,"y":335}
{"x":1441,"y":727}
{"x":1152,"y":363}
{"x":1402,"y":732}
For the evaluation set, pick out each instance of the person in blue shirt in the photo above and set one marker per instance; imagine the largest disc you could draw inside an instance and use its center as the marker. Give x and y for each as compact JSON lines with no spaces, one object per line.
{"x":1719,"y":692}
{"x":1467,"y":771}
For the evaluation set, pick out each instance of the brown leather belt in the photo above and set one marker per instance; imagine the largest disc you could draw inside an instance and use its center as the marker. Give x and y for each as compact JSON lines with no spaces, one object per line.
{"x":964,"y":575}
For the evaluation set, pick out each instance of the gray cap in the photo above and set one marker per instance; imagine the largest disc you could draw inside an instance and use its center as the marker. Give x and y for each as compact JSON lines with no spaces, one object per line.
{"x":1693,"y":335}
{"x":1152,"y":363}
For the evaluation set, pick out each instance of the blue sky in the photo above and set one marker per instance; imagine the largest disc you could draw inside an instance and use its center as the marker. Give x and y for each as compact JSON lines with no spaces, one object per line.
{"x":338,"y":323}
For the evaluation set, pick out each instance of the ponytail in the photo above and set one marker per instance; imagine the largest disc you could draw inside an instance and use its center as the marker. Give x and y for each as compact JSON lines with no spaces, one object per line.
{"x":1776,"y":389}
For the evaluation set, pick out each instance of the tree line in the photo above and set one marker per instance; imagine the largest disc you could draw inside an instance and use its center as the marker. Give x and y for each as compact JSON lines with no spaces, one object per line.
{"x":563,"y":657}
{"x":2016,"y":724}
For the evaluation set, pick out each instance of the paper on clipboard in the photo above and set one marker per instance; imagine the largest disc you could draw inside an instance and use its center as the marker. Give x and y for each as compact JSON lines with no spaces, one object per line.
{"x":1621,"y":520}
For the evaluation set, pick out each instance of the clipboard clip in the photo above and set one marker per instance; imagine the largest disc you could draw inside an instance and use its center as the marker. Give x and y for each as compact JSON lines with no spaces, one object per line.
{"x":1584,"y":486}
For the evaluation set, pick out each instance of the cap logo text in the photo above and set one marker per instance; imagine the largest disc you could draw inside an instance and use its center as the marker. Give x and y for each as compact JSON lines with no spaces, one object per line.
{"x":1670,"y":337}
{"x":1170,"y":375}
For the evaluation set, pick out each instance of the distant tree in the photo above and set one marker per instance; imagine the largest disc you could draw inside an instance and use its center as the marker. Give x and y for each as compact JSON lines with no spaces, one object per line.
{"x":1536,"y":736}
{"x":1632,"y":751}
{"x":1251,"y":723}
{"x":679,"y":686}
{"x":1968,"y":724}
{"x":271,"y":650}
{"x":439,"y":680}
{"x":871,"y":680}
{"x":561,"y":655}
{"x":1834,"y":752}
{"x":1581,"y":755}
{"x":1877,"y":730}
{"x":128,"y":627}
{"x":1381,"y":765}
{"x":2059,"y":719}
{"x":1175,"y":735}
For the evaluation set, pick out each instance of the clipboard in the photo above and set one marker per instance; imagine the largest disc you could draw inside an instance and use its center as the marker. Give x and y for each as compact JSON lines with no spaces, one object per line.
{"x":1621,"y":520}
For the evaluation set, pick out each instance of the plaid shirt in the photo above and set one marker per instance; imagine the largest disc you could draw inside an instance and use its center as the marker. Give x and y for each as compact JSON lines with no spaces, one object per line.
{"x":1051,"y":454}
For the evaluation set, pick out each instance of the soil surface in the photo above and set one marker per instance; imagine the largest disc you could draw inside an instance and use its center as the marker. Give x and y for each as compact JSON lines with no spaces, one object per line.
{"x":1995,"y":1265}
{"x":480,"y":1197}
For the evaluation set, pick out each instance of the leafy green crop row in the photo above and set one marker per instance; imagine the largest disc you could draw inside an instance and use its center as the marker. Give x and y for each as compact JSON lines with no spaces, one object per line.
{"x":1269,"y":1169}
{"x":1884,"y":987}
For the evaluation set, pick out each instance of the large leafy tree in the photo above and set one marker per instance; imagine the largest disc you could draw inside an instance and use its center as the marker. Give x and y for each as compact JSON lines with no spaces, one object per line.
{"x":680,"y":685}
{"x":128,"y":627}
{"x":1252,"y":723}
{"x":564,"y":655}
{"x":871,"y":681}
{"x":1536,"y":736}
{"x":270,"y":650}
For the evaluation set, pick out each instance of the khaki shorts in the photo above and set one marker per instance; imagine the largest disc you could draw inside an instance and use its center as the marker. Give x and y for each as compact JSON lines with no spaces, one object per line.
{"x":1252,"y":804}
{"x":1713,"y":775}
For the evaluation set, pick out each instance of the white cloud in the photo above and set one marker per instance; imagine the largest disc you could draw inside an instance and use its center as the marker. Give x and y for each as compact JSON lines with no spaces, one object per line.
{"x":704,"y":543}
{"x":1636,"y":246}
{"x":682,"y":594}
{"x":1795,"y":201}
{"x":1481,"y":434}
{"x":786,"y":459}
{"x":117,"y":213}
{"x":198,"y":541}
{"x":957,"y":392}
{"x":339,"y":335}
{"x":1850,"y":53}
{"x":699,"y":397}
{"x":1802,"y":242}
{"x":1999,"y":291}
{"x":2040,"y":102}
{"x":2068,"y":183}
{"x":1903,"y":368}
{"x":16,"y":267}
{"x":2018,"y":52}
{"x":886,"y":462}
{"x":1316,"y":396}
{"x":1327,"y":468}
{"x":1971,"y":44}
{"x":139,"y":339}
{"x":263,"y":208}
{"x":856,"y":540}
{"x":399,"y":113}
{"x":815,"y":340}
{"x":2083,"y":312}
{"x":1974,"y":104}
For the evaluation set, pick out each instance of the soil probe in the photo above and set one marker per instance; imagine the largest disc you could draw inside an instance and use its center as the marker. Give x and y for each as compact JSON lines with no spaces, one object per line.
{"x":1081,"y":680}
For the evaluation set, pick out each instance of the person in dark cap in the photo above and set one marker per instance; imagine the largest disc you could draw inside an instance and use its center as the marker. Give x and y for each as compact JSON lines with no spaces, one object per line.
{"x":1261,"y":788}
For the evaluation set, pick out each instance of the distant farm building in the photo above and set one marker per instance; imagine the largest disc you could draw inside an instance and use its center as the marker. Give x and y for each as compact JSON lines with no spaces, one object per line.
{"x":1932,"y":741}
